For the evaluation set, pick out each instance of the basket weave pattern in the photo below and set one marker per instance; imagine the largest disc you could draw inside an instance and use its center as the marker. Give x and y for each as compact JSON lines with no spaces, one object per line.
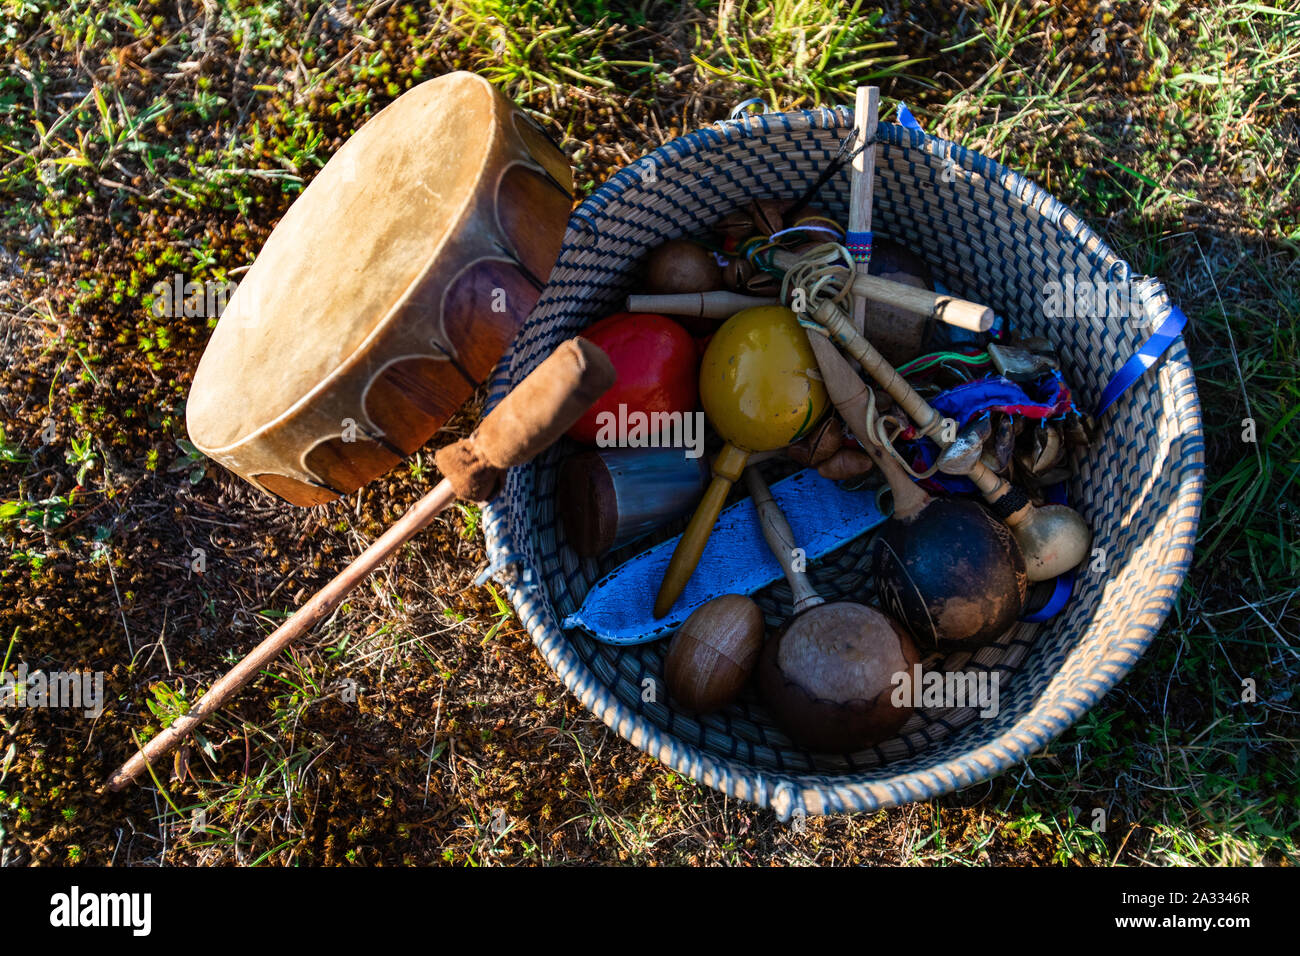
{"x":989,"y":235}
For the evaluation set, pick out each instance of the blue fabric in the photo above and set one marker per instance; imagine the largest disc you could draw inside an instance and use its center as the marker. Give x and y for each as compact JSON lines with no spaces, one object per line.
{"x":963,"y":403}
{"x":1049,"y":397}
{"x":823,"y":516}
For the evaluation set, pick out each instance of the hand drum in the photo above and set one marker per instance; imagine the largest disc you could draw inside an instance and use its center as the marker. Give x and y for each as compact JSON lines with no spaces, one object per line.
{"x":386,"y":294}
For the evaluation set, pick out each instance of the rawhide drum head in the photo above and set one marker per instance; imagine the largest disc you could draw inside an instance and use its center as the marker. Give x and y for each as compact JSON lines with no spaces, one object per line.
{"x":385,"y":295}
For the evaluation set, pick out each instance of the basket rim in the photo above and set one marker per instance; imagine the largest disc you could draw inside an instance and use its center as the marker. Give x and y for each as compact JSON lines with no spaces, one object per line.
{"x":790,"y":793}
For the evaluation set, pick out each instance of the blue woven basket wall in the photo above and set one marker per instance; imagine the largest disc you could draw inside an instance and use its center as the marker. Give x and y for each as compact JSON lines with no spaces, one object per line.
{"x":989,"y":235}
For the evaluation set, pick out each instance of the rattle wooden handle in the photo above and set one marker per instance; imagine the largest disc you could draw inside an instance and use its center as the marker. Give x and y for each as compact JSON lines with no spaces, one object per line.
{"x":836,"y":373}
{"x":1052,"y":538}
{"x":833,"y":319}
{"x":849,"y":395}
{"x":703,"y":305}
{"x":540,"y":409}
{"x":989,"y":482}
{"x":918,"y":303}
{"x":727,"y":467}
{"x":866,"y":106}
{"x":780,"y":539}
{"x":993,"y":487}
{"x":923,"y":303}
{"x":918,"y":409}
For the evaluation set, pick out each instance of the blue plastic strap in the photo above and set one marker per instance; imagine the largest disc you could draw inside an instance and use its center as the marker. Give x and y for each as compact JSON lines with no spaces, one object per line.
{"x":1061,"y":595}
{"x":1120,"y":382}
{"x":743,"y":107}
{"x":1143,"y":358}
{"x":906,"y":119}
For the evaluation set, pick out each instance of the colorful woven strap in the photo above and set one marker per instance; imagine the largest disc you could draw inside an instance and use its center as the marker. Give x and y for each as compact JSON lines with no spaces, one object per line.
{"x":859,"y":245}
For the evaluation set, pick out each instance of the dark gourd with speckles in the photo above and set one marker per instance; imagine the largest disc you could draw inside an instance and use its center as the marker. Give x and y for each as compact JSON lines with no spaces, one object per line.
{"x":951,"y":571}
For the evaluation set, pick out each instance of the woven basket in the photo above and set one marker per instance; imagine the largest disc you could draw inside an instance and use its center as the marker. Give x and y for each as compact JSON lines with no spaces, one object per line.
{"x":989,"y":235}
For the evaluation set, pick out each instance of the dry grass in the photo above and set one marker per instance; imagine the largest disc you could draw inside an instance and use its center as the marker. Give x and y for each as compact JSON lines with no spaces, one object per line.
{"x":460,"y":746}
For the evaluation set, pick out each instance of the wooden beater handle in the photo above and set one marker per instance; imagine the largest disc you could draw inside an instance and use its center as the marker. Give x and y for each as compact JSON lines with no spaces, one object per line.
{"x":531,"y":418}
{"x":540,"y":409}
{"x":780,"y":539}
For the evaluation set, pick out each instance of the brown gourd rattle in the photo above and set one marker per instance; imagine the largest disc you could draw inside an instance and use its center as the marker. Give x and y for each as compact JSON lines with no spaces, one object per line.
{"x":712,"y":655}
{"x":828,"y":675}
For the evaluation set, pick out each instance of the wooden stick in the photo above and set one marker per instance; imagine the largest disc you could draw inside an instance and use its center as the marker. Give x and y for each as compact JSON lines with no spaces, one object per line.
{"x":924,"y":303}
{"x":919,"y":303}
{"x":780,"y":539}
{"x":861,"y":181}
{"x":319,"y":607}
{"x":849,"y":395}
{"x":540,"y":409}
{"x":703,"y":305}
{"x":833,"y":319}
{"x":921,"y":412}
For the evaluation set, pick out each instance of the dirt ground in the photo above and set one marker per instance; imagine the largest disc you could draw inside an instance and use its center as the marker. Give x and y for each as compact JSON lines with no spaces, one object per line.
{"x":461,"y":746}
